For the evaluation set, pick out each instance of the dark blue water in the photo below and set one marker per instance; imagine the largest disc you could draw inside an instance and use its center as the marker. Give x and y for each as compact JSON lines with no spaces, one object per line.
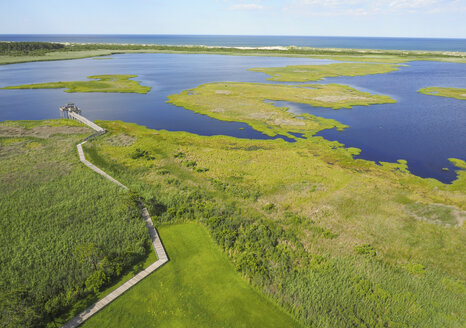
{"x":430,"y":44}
{"x":166,"y":73}
{"x":424,"y":130}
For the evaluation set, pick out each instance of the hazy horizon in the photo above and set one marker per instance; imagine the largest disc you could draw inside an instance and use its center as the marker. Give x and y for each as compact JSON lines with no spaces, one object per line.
{"x":252,"y":35}
{"x":354,"y":18}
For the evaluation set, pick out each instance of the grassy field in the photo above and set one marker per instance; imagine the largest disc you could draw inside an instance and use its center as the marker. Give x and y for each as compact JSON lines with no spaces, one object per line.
{"x":61,"y":223}
{"x":75,"y":51}
{"x":337,"y":242}
{"x":51,"y":56}
{"x":303,"y":73}
{"x":102,"y":83}
{"x":244,"y":102}
{"x":457,"y":93}
{"x":197,"y":288}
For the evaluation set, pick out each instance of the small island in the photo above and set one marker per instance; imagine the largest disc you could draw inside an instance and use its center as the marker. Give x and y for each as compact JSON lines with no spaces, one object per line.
{"x":303,"y":73}
{"x":457,"y":93}
{"x":245,"y":102}
{"x":119,"y":83}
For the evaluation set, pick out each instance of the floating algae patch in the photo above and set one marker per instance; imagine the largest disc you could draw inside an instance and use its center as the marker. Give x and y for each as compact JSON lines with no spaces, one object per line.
{"x":121,"y":83}
{"x":251,"y":103}
{"x":303,"y":73}
{"x":457,"y":93}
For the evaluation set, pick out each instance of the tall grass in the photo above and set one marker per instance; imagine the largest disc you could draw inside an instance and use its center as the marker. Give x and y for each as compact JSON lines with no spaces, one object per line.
{"x":333,"y":240}
{"x":61,"y":223}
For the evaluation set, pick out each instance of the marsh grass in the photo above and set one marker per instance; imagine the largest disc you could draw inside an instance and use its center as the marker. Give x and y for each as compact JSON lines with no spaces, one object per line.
{"x":457,"y":93}
{"x":303,"y":252}
{"x":50,"y":207}
{"x":303,"y":73}
{"x":244,"y":102}
{"x":120,"y":83}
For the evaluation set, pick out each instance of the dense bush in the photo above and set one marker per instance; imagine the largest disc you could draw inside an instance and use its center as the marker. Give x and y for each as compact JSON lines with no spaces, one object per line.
{"x":365,"y":249}
{"x":28,"y":48}
{"x":140,"y":153}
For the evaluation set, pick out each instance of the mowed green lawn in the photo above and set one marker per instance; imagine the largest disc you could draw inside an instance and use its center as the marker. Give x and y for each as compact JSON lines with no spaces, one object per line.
{"x":199,"y":287}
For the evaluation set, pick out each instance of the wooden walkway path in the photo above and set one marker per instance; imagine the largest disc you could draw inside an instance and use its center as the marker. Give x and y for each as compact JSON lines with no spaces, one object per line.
{"x":84,"y":120}
{"x":162,"y":257}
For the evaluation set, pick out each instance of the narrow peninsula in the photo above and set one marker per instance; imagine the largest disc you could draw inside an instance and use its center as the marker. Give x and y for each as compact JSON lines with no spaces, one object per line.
{"x":457,"y":93}
{"x":304,"y":73}
{"x":245,"y":102}
{"x":119,"y":83}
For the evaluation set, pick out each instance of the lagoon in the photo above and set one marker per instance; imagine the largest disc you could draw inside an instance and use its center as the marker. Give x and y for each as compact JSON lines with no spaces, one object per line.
{"x":422,"y":129}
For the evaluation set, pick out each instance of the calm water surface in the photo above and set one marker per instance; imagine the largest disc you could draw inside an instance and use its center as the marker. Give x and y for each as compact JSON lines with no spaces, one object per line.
{"x":424,"y":130}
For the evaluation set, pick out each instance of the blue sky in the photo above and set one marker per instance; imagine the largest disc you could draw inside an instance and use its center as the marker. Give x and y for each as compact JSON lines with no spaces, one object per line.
{"x":400,"y":18}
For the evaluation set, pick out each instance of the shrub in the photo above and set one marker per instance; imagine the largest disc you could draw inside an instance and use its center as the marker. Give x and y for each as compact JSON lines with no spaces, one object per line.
{"x":415,"y":268}
{"x":96,"y":280}
{"x":163,"y":172}
{"x":365,"y":249}
{"x":191,"y":164}
{"x":140,"y":153}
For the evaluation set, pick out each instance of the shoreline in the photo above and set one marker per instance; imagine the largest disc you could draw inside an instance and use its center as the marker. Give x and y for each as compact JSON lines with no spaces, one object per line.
{"x":89,"y":50}
{"x":275,"y":47}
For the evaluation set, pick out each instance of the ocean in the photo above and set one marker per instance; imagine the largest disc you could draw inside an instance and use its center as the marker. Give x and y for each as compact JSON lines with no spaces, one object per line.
{"x":385,"y":43}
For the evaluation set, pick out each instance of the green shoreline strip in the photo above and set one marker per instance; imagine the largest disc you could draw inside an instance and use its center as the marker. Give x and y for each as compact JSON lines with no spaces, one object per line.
{"x":8,"y":54}
{"x":457,"y":93}
{"x":304,"y":73}
{"x":119,"y":83}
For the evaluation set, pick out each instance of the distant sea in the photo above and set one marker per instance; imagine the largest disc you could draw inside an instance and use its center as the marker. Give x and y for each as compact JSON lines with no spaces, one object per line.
{"x":252,"y":41}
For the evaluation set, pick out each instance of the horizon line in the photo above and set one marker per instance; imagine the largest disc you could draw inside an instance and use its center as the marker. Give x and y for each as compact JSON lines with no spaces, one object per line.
{"x":246,"y":35}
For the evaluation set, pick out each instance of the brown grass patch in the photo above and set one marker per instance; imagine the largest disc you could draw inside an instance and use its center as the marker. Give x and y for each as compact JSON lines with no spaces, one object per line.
{"x":41,"y":131}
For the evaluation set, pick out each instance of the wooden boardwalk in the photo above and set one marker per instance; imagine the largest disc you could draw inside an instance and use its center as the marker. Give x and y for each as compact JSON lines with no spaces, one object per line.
{"x":95,"y":168}
{"x":84,"y":120}
{"x":162,"y":257}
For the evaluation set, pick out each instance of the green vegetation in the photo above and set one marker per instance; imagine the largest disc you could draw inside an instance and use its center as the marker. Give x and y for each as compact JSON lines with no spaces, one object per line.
{"x":346,"y":242}
{"x":67,"y":234}
{"x":457,"y":93}
{"x":104,"y":83}
{"x":73,"y":51}
{"x":51,"y":56}
{"x":244,"y":102}
{"x":197,"y":288}
{"x":28,"y":48}
{"x":337,"y":242}
{"x":303,"y":73}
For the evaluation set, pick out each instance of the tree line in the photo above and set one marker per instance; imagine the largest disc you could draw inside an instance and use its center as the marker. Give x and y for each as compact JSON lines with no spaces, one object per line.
{"x":28,"y":48}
